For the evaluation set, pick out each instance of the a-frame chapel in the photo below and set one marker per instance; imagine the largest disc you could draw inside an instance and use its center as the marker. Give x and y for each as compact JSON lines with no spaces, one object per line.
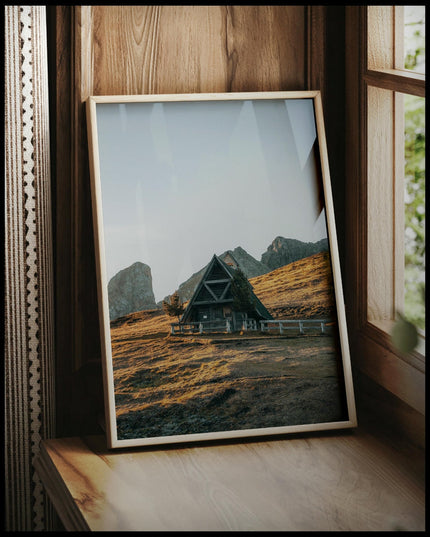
{"x":211,"y":303}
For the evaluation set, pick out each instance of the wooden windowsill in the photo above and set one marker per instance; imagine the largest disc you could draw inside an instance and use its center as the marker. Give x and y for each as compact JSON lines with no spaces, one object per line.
{"x":343,"y":481}
{"x":416,"y":358}
{"x":404,"y":376}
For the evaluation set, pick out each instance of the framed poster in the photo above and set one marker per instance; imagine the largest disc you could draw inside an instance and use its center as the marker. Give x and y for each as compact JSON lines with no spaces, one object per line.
{"x":220,"y":296}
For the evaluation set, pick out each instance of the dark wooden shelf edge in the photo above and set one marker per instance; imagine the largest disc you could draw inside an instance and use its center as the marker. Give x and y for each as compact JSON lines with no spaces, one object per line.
{"x":58,"y":493}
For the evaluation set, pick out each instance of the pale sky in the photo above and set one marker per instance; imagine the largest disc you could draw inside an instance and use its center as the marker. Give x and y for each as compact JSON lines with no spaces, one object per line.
{"x":182,"y":181}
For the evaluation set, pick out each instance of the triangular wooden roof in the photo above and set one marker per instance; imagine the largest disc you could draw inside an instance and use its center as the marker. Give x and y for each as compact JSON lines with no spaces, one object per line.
{"x":259,"y":306}
{"x":229,"y":272}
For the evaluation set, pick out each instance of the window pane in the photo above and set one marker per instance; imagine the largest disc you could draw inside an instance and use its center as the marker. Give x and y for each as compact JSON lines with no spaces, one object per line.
{"x":414,"y":38}
{"x":414,"y":307}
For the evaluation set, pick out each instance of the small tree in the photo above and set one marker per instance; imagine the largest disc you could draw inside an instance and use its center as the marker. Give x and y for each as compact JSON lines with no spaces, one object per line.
{"x":243,"y":298}
{"x":175,"y":306}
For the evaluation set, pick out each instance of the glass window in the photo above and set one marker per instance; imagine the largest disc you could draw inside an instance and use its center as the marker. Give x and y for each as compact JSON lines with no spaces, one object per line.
{"x":414,"y":196}
{"x":414,"y":38}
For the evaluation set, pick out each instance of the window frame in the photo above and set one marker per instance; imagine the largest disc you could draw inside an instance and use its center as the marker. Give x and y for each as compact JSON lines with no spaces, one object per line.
{"x":372,"y":64}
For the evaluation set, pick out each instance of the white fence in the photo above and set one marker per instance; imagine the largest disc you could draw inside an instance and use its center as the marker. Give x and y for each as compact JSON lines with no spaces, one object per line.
{"x":225,"y":325}
{"x":301,"y":325}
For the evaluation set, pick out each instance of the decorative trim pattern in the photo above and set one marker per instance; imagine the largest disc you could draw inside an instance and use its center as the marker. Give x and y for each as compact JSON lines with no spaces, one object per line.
{"x":29,"y":341}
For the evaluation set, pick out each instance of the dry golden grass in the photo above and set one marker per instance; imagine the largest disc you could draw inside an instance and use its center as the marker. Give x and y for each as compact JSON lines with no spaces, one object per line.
{"x":300,"y":290}
{"x":167,"y":385}
{"x":172,"y":385}
{"x":143,"y":322}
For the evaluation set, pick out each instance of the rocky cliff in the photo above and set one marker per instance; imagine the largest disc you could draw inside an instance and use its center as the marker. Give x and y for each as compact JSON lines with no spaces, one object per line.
{"x":131,"y":290}
{"x":248,"y":264}
{"x":283,"y":251}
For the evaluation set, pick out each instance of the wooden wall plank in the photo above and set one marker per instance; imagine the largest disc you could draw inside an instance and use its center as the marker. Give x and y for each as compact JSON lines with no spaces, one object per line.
{"x":192,"y":49}
{"x":355,"y":280}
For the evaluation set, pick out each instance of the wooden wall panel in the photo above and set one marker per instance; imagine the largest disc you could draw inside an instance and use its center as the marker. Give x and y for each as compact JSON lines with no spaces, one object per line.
{"x":189,"y":49}
{"x":108,"y":50}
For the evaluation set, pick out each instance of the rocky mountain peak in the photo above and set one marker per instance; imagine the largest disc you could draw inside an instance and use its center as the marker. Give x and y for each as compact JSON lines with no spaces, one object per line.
{"x":131,"y":290}
{"x":283,"y":251}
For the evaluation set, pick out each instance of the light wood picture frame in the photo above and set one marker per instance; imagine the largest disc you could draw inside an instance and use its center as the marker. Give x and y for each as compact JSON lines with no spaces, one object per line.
{"x":220,"y":295}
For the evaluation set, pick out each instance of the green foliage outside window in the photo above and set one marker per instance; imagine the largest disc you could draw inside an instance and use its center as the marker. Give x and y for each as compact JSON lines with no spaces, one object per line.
{"x":414,"y":41}
{"x":415,"y":210}
{"x":414,"y":307}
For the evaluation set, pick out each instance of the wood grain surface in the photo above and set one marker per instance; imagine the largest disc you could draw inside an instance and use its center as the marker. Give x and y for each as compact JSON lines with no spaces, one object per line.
{"x":343,"y":482}
{"x":193,"y":49}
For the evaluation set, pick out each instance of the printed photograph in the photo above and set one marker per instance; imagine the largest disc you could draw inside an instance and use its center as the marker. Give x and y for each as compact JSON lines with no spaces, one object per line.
{"x":222,"y":307}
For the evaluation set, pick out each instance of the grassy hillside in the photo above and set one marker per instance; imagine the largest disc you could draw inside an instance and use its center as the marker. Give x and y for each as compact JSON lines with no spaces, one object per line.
{"x":142,"y":322}
{"x":300,"y":290}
